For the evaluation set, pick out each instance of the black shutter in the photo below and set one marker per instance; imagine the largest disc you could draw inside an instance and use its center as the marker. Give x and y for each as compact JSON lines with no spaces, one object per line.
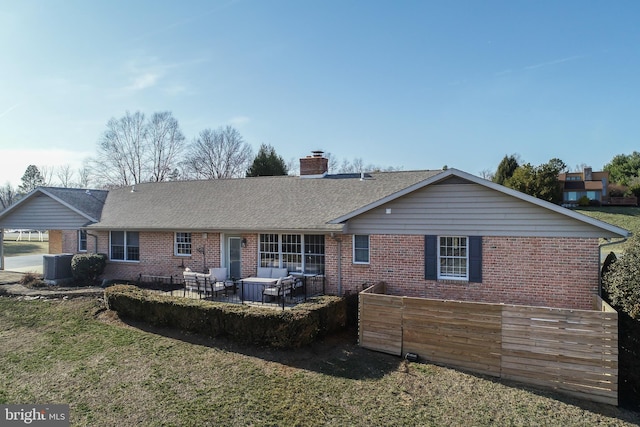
{"x":475,"y":259}
{"x":431,"y":257}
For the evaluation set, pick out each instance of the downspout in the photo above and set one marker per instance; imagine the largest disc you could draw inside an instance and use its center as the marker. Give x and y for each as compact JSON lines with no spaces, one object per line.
{"x":1,"y":249}
{"x":624,"y":239}
{"x":339,"y":251}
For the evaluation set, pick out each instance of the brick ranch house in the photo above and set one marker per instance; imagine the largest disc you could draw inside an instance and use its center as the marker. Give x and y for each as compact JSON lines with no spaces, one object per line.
{"x":442,"y":234}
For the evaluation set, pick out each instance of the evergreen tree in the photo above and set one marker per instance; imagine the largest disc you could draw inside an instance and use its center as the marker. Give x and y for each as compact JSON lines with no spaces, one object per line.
{"x":623,"y":168}
{"x":506,"y":168}
{"x":31,"y":179}
{"x":267,"y":163}
{"x":541,"y":181}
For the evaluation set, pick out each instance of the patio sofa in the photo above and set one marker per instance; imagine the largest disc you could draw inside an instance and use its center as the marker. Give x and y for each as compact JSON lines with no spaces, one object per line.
{"x":202,"y":283}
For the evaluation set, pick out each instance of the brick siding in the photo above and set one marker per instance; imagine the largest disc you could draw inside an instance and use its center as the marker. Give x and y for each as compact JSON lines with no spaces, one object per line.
{"x":554,"y":272}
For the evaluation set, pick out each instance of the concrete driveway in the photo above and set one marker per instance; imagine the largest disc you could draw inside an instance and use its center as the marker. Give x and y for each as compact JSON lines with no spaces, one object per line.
{"x":24,"y":264}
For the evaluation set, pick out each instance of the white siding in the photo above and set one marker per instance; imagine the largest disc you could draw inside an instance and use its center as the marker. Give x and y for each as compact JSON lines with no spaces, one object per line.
{"x":468,"y":209}
{"x":43,"y":213}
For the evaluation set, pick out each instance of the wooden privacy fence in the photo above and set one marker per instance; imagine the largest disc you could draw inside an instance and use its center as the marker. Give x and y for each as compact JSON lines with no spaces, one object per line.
{"x":571,"y":351}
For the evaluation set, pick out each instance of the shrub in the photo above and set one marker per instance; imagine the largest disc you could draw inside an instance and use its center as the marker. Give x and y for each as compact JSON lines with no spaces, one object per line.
{"x":293,"y":328}
{"x":86,"y":268}
{"x":622,"y":280}
{"x":583,"y":201}
{"x":32,"y":280}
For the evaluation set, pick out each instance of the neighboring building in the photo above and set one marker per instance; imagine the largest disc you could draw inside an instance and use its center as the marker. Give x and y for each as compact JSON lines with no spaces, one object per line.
{"x":438,"y":234}
{"x":587,"y":183}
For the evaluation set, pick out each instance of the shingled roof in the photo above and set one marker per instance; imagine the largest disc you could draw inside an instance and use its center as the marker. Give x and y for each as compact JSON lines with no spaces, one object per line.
{"x":86,"y":203}
{"x":285,"y":203}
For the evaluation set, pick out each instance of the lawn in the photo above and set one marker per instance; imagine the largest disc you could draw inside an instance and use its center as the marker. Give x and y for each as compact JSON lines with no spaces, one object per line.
{"x":622,"y":216}
{"x":25,"y":248}
{"x":114,"y":373}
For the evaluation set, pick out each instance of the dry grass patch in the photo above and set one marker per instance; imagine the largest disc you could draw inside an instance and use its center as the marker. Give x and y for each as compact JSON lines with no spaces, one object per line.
{"x":116,"y":373}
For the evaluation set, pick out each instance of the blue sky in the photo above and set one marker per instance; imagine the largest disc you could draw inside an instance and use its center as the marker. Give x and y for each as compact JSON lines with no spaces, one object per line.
{"x":410,"y":84}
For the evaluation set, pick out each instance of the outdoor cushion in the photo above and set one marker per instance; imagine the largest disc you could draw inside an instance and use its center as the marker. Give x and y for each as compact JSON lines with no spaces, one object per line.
{"x":218,"y":274}
{"x":264,"y":272}
{"x":276,"y":273}
{"x":282,"y":287}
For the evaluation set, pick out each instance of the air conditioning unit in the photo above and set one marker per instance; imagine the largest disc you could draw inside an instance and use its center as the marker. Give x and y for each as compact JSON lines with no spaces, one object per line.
{"x":56,"y":267}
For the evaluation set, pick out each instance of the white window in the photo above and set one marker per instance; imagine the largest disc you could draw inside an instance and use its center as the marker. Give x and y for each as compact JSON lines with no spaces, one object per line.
{"x":295,"y":252}
{"x":125,"y":245}
{"x":361,"y":249}
{"x":182,"y":244}
{"x":269,"y":250}
{"x":82,"y":240}
{"x":453,"y":258}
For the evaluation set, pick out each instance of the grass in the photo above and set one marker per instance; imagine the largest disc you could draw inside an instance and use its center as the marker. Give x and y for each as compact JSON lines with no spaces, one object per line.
{"x":25,"y":248}
{"x":625,"y":217}
{"x":621,"y":216}
{"x":114,"y":373}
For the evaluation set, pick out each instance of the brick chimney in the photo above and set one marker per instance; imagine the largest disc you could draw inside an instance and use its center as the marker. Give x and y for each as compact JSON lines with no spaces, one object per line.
{"x":316,"y":164}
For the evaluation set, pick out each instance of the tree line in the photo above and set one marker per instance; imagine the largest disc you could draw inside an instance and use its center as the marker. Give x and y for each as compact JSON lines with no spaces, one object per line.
{"x":542,"y":181}
{"x":136,"y":148}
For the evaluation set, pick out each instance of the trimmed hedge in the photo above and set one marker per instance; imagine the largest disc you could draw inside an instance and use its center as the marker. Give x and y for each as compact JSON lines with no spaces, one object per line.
{"x":293,"y":328}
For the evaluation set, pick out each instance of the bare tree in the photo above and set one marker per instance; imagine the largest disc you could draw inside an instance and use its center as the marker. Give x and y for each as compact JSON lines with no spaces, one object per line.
{"x":487,"y":174}
{"x":120,"y":151}
{"x":8,"y":196}
{"x":64,"y":173}
{"x":332,"y":162}
{"x":345,"y":167}
{"x":134,"y":150}
{"x":356,"y":166}
{"x":166,"y":142}
{"x":220,"y":153}
{"x":293,"y":166}
{"x":84,"y":175}
{"x":46,"y":172}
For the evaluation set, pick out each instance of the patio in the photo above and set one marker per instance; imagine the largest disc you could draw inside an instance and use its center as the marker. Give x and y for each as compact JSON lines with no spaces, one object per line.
{"x":249,"y":291}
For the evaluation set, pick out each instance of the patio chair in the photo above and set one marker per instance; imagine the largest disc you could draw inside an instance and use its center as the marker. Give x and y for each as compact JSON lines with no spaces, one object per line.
{"x":196,"y":282}
{"x":220,"y":281}
{"x":281,"y":289}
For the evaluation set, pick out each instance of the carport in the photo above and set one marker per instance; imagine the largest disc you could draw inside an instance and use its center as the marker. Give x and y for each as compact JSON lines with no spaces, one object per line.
{"x":53,"y":209}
